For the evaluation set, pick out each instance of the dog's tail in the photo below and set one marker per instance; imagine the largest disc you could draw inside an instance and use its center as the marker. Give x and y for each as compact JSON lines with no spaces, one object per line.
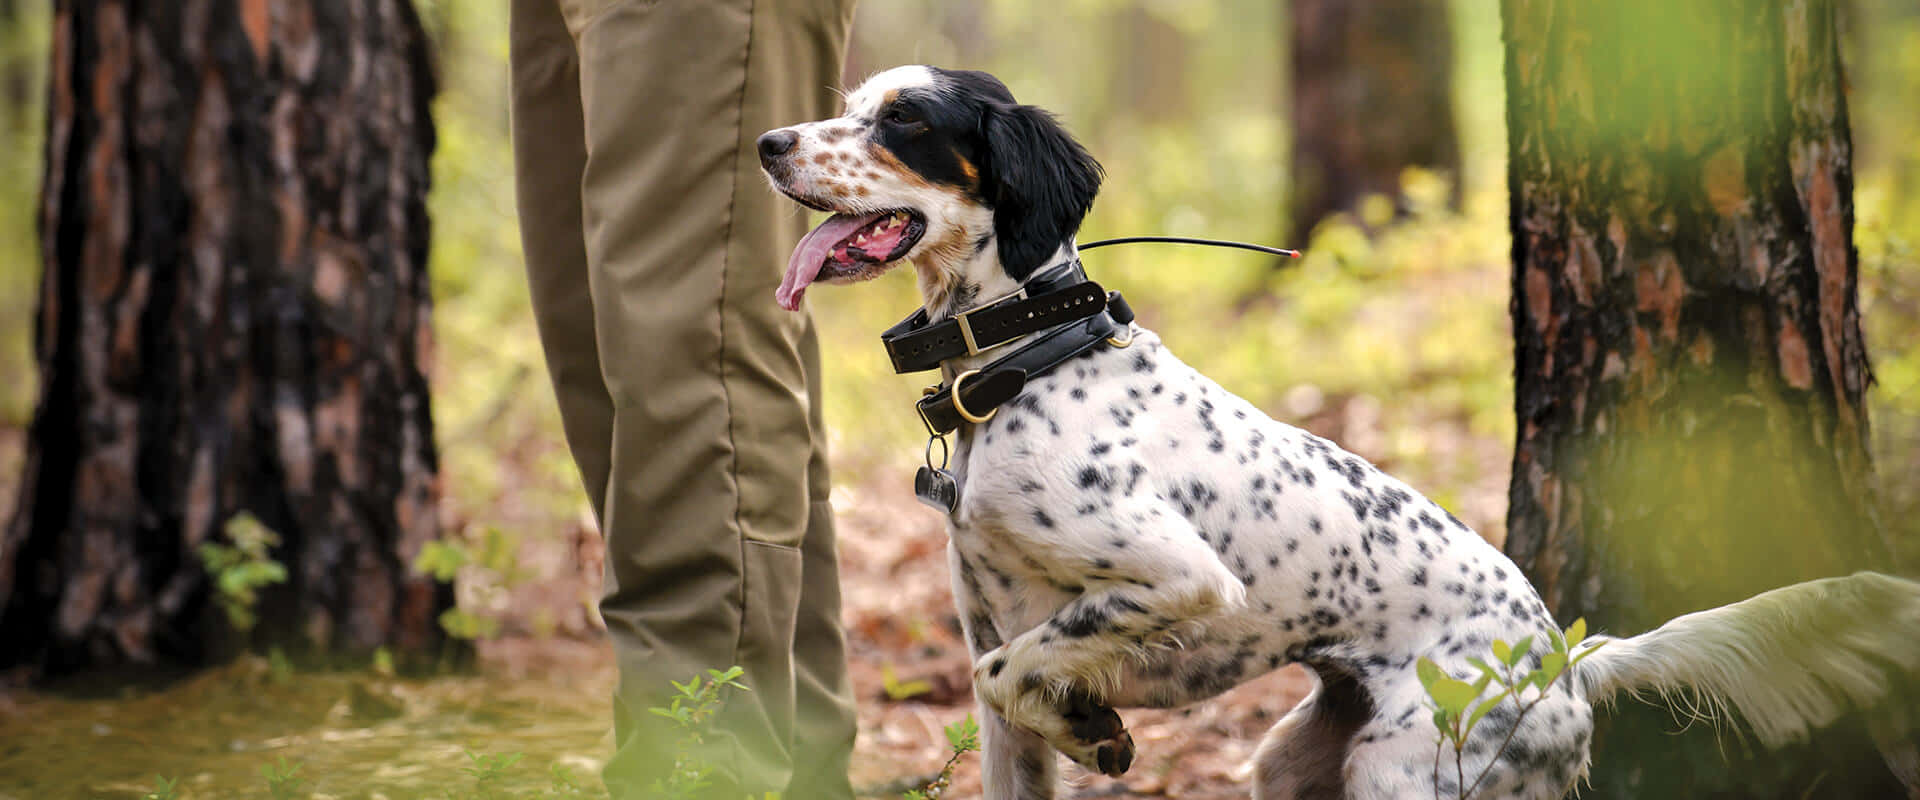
{"x":1787,"y":660}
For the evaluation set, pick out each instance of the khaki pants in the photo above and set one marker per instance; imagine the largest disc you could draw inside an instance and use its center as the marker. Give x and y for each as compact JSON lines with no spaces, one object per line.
{"x":690,"y":400}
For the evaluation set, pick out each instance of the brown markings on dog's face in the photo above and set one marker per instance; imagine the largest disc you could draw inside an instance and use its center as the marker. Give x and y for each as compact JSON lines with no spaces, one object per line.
{"x":968,"y":170}
{"x":889,"y":165}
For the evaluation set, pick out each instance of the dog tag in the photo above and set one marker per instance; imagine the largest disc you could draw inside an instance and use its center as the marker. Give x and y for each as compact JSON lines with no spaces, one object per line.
{"x":937,"y":489}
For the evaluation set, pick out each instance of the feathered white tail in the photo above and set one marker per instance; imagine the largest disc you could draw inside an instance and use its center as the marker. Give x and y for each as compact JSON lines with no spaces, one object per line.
{"x":1787,"y":660}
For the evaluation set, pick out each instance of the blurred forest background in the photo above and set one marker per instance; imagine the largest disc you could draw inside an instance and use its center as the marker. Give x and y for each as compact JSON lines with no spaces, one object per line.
{"x":1391,"y":336}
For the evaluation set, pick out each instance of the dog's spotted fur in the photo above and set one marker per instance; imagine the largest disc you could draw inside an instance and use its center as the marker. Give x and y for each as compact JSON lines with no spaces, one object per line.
{"x":1131,"y":534}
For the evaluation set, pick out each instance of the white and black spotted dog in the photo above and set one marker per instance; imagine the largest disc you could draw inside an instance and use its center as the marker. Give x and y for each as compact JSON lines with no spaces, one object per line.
{"x":1130,"y":534}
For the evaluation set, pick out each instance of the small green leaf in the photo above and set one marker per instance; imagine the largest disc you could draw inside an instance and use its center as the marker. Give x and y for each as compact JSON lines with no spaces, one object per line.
{"x":897,"y":689}
{"x":1452,"y":695}
{"x":1520,"y":649}
{"x":1577,"y":632}
{"x":1587,"y":652}
{"x":1502,"y":651}
{"x":1482,"y":709}
{"x":1481,"y":664}
{"x":1428,"y":672}
{"x":1551,"y":665}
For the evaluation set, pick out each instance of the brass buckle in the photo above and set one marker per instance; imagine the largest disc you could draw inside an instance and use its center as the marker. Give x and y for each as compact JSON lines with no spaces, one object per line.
{"x":966,"y":325}
{"x":961,"y":407}
{"x":966,"y":332}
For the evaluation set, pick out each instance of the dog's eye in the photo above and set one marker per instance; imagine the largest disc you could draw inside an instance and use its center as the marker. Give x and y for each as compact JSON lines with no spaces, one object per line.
{"x":899,"y":114}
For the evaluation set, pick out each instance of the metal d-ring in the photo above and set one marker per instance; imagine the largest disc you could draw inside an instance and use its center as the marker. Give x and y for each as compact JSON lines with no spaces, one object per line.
{"x":961,"y":407}
{"x":944,"y":452}
{"x":1119,"y":342}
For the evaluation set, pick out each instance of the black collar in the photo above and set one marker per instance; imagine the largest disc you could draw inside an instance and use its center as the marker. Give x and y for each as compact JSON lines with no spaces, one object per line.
{"x":1071,"y":314}
{"x":1054,"y":296}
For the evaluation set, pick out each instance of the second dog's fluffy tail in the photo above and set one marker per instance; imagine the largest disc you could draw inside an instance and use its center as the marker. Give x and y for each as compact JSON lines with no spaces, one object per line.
{"x":1787,"y":660}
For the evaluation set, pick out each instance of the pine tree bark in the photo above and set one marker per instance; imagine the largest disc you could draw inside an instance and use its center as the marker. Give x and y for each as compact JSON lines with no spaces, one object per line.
{"x":234,"y":317}
{"x":1372,"y":95}
{"x":1688,"y":357}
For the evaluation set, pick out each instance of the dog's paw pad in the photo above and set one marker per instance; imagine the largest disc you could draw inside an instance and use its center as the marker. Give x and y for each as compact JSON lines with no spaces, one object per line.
{"x":1113,"y":758}
{"x":1092,"y":724}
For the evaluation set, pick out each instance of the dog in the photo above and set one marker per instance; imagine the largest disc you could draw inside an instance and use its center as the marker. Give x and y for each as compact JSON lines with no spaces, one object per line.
{"x":1129,"y":534}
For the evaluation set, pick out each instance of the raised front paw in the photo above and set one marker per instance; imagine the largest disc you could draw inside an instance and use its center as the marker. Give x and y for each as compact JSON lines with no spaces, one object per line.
{"x":1074,"y":722}
{"x":994,"y":682}
{"x":1101,"y":742}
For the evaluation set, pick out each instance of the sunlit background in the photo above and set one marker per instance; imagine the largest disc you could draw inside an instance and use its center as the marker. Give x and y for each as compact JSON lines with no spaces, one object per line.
{"x":1390,"y":336}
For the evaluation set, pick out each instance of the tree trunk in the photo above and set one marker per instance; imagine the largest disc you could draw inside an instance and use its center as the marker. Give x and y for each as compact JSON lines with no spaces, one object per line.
{"x":1372,"y":96}
{"x":1688,"y":358}
{"x":234,"y":317}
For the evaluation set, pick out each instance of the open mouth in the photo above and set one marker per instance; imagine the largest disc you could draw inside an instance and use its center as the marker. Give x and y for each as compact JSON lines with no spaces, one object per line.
{"x":849,"y":247}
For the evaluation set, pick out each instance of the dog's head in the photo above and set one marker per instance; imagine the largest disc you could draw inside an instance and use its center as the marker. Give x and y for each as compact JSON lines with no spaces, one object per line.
{"x":941,"y":167}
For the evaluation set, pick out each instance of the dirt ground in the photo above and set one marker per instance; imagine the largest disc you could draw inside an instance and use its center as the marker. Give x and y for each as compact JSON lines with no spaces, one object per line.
{"x":544,"y":682}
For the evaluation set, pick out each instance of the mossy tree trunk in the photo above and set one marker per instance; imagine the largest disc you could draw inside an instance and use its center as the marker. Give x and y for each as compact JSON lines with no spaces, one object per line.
{"x":1372,"y":95}
{"x":234,"y":317}
{"x":1688,"y":357}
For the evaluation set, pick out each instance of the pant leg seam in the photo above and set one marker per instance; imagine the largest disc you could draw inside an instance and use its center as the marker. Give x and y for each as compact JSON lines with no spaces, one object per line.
{"x":726,"y":388}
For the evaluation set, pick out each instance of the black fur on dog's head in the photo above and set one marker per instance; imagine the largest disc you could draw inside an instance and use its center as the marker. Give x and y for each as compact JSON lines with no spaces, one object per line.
{"x":942,"y":167}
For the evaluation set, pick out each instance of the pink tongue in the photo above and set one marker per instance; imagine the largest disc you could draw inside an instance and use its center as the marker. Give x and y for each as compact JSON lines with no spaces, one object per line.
{"x":811,"y":254}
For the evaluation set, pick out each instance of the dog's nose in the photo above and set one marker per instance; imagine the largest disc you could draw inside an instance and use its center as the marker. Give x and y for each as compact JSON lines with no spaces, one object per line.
{"x":774,"y":144}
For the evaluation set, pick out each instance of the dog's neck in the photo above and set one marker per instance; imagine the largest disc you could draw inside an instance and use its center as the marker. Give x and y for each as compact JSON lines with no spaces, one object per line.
{"x":951,"y":283}
{"x":973,"y":281}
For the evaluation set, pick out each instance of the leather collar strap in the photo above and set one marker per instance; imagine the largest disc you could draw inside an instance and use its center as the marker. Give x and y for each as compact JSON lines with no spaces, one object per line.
{"x":1059,"y":296}
{"x":983,"y":391}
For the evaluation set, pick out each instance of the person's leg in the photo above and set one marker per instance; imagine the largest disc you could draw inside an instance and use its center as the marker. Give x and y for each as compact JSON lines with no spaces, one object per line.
{"x":792,"y":67}
{"x":710,"y":502}
{"x":549,"y":154}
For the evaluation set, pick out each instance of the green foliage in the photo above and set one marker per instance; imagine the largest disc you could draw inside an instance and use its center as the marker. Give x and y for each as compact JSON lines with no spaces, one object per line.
{"x":691,"y":710}
{"x":562,"y":783}
{"x":463,"y":624}
{"x":240,"y":569}
{"x":487,"y":771}
{"x":162,"y":788}
{"x":963,"y":737}
{"x":493,"y":562}
{"x":1458,"y":706}
{"x":283,"y":779}
{"x":897,"y":689}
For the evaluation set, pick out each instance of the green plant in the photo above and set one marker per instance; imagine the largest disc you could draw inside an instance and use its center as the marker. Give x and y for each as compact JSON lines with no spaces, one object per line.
{"x":1458,"y":706}
{"x":562,"y":783}
{"x":897,"y":689}
{"x":241,"y":569}
{"x":493,"y":560}
{"x":963,"y":737}
{"x":162,"y":789}
{"x":691,"y":709}
{"x":283,"y":779}
{"x":486,"y":769}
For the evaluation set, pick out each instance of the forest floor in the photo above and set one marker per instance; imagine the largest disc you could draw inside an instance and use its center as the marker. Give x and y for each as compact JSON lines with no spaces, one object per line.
{"x":360,"y":734}
{"x":363,"y":735}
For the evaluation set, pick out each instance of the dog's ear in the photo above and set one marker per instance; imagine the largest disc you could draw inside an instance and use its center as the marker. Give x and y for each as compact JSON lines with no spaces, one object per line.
{"x":1040,"y":181}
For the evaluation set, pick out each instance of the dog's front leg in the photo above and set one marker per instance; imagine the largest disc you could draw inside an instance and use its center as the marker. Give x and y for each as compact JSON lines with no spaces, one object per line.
{"x":1016,"y":764}
{"x":1054,"y":678}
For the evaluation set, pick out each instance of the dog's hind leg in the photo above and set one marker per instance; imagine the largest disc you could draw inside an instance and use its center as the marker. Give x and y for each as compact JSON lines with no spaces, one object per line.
{"x":1304,"y":756}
